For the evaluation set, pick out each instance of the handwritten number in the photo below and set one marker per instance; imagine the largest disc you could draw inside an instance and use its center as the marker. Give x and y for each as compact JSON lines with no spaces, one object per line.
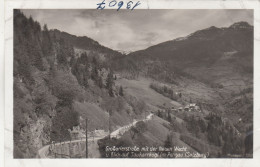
{"x":129,"y":4}
{"x":100,"y":5}
{"x":114,"y":1}
{"x":120,"y":4}
{"x":137,"y":3}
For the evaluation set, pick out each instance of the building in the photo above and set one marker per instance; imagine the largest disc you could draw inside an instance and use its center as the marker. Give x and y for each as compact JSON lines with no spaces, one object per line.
{"x":194,"y":107}
{"x":180,"y":109}
{"x":174,"y":109}
{"x":197,"y":108}
{"x":187,"y":108}
{"x":76,"y":133}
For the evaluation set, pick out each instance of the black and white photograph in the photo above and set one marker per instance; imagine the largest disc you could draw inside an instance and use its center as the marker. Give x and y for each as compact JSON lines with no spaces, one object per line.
{"x":133,"y":83}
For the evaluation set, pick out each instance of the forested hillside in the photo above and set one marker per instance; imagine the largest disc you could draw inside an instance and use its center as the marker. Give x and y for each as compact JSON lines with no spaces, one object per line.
{"x":212,"y":67}
{"x":215,"y":61}
{"x":56,"y":88}
{"x":85,"y":43}
{"x":219,"y":57}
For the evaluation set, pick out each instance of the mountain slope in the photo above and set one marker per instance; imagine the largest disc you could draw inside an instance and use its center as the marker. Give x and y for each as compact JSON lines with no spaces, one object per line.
{"x":84,"y":43}
{"x":213,"y":55}
{"x":213,"y":66}
{"x":56,"y":89}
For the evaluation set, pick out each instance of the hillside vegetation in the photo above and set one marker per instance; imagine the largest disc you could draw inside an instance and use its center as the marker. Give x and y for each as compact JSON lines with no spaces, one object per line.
{"x":60,"y":80}
{"x":56,"y":88}
{"x":213,"y":67}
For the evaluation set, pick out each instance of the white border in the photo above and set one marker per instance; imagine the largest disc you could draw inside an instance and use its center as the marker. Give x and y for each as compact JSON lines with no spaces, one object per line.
{"x":2,"y":83}
{"x":152,"y":4}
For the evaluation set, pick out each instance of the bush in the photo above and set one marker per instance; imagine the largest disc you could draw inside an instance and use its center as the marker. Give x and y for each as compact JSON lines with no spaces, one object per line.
{"x":65,"y":87}
{"x":165,"y":91}
{"x":64,"y":120}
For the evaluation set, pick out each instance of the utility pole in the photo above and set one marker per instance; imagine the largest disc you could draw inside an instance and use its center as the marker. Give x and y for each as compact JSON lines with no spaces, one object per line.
{"x":86,"y":138}
{"x":54,"y":150}
{"x":60,"y":146}
{"x":69,"y":147}
{"x":109,"y":130}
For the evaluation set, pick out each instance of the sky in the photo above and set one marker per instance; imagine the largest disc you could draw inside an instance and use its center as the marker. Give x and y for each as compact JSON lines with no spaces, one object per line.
{"x":126,"y":30}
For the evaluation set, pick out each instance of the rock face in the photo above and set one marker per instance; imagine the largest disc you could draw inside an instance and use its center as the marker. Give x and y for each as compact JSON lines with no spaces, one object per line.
{"x":35,"y":133}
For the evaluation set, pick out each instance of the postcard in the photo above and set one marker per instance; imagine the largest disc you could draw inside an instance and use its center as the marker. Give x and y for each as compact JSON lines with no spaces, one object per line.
{"x":110,"y":82}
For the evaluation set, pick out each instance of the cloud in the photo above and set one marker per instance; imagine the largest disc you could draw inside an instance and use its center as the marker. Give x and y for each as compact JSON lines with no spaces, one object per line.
{"x":134,"y":30}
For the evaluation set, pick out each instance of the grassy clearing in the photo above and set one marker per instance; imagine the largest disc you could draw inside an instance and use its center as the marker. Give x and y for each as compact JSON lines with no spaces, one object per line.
{"x":141,"y":90}
{"x":97,"y":117}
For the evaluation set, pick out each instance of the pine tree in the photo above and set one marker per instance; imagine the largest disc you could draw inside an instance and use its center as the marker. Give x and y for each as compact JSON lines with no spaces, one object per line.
{"x":168,"y":141}
{"x":85,"y":82}
{"x":94,"y":73}
{"x":100,"y":82}
{"x":121,"y":92}
{"x":84,"y":58}
{"x":110,"y":83}
{"x":169,"y":116}
{"x":46,"y":41}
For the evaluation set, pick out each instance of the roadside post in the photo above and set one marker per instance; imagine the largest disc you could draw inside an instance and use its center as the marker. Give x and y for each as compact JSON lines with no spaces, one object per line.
{"x":86,"y":138}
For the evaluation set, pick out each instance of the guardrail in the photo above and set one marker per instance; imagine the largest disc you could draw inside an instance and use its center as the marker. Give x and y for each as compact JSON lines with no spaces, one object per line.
{"x":45,"y":151}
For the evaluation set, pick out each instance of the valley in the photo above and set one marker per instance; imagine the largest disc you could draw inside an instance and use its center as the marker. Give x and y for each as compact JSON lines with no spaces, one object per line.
{"x":194,"y":92}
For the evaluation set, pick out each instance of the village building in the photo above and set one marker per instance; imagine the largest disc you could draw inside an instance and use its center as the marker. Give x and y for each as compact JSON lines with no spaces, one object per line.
{"x":197,"y":108}
{"x":180,"y":109}
{"x":117,"y":76}
{"x":76,"y":133}
{"x":99,"y":132}
{"x":194,"y":107}
{"x":187,"y":108}
{"x":174,"y":109}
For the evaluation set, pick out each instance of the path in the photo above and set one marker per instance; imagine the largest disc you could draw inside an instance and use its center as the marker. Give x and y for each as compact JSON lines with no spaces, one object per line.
{"x":44,"y":151}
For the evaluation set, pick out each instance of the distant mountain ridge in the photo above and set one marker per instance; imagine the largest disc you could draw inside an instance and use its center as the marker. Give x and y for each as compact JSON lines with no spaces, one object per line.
{"x":84,"y":42}
{"x":212,"y":54}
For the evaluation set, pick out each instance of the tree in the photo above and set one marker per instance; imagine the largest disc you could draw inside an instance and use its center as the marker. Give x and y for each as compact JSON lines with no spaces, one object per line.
{"x":46,"y":41}
{"x":65,"y":87}
{"x":64,"y":120}
{"x":159,"y":114}
{"x":121,"y":92}
{"x":84,"y":58}
{"x":110,"y":83}
{"x":62,"y":53}
{"x":169,"y":116}
{"x":100,"y":82}
{"x":168,"y":141}
{"x":202,"y":125}
{"x":85,"y":81}
{"x":94,"y":73}
{"x":138,"y":129}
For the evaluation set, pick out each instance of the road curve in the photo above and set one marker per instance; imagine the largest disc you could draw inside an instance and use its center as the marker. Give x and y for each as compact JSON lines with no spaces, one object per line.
{"x":43,"y":152}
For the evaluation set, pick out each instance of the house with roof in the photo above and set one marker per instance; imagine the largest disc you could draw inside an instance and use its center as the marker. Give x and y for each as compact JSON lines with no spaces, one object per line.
{"x":194,"y":107}
{"x":174,"y":109}
{"x":187,"y":108}
{"x":180,"y":109}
